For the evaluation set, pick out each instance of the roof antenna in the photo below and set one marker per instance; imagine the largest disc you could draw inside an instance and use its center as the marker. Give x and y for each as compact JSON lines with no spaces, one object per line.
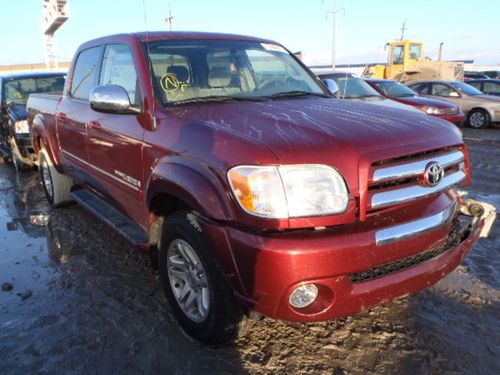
{"x":152,"y":94}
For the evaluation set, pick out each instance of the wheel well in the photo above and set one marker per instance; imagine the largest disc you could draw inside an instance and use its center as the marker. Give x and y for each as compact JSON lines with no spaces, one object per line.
{"x":161,"y":206}
{"x":478,"y":109}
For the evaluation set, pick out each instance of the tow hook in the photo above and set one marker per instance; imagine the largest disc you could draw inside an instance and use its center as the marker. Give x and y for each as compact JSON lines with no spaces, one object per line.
{"x":480,"y":211}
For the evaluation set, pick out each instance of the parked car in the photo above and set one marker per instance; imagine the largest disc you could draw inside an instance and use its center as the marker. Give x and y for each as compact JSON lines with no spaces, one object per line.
{"x":487,"y":86}
{"x":403,"y":94}
{"x":480,"y":109}
{"x":493,"y":74}
{"x":354,"y":88}
{"x":253,"y":189}
{"x":474,"y":75}
{"x":15,"y":139}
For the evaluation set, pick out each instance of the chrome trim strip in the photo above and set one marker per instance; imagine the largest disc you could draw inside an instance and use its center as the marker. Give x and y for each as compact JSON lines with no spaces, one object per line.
{"x":414,"y":228}
{"x":100,"y":170}
{"x":416,"y":168}
{"x":414,"y":192}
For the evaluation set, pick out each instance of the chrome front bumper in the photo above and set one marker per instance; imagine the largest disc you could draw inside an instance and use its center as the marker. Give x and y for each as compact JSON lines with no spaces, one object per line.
{"x":469,"y":207}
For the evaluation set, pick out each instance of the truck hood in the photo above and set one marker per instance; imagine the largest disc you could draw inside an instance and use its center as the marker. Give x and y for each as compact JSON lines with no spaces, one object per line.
{"x":17,"y":112}
{"x":309,"y":130}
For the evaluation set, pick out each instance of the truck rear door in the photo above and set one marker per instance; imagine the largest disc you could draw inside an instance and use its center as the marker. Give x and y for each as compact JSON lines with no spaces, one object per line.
{"x":74,"y":113}
{"x":115,"y":140}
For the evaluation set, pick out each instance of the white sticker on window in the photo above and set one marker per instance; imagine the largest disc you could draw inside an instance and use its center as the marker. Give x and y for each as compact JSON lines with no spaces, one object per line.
{"x":273,"y":47}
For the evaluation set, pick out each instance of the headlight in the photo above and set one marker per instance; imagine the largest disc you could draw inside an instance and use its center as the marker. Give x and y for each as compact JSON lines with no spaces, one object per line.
{"x":439,"y":111}
{"x":21,"y":127}
{"x":289,"y":190}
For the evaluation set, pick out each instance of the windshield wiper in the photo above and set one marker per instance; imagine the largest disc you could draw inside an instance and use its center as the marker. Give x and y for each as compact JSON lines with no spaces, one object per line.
{"x":219,"y":98}
{"x":361,"y":96}
{"x":286,"y":94}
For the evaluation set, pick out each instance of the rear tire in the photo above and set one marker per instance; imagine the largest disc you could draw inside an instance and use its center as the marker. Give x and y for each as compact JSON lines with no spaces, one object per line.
{"x":186,"y":263}
{"x":57,"y":186}
{"x":479,"y":119}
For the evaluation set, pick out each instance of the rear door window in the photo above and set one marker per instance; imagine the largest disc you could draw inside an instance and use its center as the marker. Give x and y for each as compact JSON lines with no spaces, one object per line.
{"x":85,"y":73}
{"x":491,"y":87}
{"x":439,"y":89}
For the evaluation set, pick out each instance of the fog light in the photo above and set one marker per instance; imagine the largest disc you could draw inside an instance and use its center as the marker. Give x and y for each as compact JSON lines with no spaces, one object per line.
{"x":303,"y":296}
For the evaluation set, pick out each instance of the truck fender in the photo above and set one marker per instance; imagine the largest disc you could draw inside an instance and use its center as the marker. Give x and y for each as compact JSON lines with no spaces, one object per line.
{"x":39,"y":137}
{"x":189,"y":185}
{"x":207,"y":204}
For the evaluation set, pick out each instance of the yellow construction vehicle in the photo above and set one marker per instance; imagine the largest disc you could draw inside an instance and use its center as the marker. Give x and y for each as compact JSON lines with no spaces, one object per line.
{"x":406,"y":62}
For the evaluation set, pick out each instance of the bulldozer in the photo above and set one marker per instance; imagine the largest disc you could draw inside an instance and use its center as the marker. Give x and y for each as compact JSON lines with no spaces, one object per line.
{"x":406,"y":62}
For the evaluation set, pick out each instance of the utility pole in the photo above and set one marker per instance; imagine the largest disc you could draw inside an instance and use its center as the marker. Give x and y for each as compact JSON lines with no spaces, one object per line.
{"x":170,"y":18}
{"x":334,"y":31}
{"x":403,"y":29}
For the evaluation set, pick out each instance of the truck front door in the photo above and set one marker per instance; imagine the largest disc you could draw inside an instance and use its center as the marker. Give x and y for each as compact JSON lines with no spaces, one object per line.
{"x":115,"y":140}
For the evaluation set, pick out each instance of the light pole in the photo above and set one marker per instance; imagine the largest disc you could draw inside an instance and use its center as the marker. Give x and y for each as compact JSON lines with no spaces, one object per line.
{"x":334,"y":27}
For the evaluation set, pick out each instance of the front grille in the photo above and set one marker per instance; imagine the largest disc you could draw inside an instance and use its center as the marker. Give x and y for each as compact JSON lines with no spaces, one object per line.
{"x":398,"y":180}
{"x":405,"y":263}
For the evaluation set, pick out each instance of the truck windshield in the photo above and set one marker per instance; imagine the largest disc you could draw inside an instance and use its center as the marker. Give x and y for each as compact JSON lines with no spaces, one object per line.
{"x":189,"y":71}
{"x":18,"y":90}
{"x":395,"y":90}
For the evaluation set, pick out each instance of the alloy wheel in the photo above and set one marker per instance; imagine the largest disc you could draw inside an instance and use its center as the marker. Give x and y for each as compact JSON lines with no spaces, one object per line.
{"x":477,"y":119}
{"x":188,"y":280}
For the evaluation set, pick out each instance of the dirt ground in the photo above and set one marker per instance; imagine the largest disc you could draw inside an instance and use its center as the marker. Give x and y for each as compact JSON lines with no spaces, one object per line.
{"x":76,"y":298}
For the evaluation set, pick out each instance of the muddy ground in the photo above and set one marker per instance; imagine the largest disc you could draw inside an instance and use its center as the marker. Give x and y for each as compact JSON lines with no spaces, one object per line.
{"x":84,"y":301}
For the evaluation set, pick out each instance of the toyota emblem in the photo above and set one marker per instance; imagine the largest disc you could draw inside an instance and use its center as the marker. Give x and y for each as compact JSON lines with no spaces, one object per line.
{"x":433,"y":174}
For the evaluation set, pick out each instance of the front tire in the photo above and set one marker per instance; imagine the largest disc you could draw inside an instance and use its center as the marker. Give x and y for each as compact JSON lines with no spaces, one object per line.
{"x":17,"y":160}
{"x":195,"y":287}
{"x":479,"y":119}
{"x":57,"y":186}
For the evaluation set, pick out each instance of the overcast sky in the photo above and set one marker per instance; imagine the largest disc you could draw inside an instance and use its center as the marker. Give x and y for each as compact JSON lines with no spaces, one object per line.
{"x":468,"y":29}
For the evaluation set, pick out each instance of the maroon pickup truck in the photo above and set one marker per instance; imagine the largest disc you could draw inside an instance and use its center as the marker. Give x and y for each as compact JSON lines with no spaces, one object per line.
{"x":255,"y":191}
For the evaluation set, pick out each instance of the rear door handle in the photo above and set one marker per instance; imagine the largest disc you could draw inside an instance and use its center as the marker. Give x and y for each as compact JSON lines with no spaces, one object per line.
{"x":94,"y":125}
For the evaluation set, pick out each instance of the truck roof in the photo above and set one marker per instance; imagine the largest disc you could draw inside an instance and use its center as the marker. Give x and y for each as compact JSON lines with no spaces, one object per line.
{"x":175,"y":35}
{"x":31,"y":75}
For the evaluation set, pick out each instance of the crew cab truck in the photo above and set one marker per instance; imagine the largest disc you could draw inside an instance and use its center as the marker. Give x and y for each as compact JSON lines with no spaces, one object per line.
{"x":251,"y":186}
{"x":15,"y":138}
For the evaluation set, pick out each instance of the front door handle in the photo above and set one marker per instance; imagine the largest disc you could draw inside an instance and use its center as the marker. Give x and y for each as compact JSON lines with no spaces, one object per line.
{"x":94,"y":125}
{"x":61,"y":116}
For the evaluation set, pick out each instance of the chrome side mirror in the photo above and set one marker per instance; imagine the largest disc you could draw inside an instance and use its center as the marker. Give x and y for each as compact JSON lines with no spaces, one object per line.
{"x":112,"y":99}
{"x":332,"y":85}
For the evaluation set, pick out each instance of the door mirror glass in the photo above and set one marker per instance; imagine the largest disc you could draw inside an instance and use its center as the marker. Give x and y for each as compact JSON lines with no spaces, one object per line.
{"x":332,"y":85}
{"x":111,"y":99}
